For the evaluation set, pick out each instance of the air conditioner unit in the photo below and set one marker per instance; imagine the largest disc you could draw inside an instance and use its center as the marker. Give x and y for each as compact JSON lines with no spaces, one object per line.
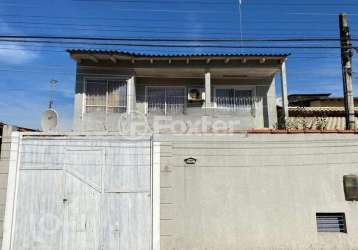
{"x":196,"y":94}
{"x":350,"y":183}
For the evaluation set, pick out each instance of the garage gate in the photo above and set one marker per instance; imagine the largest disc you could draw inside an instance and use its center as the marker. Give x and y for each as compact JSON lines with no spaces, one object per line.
{"x":82,"y":193}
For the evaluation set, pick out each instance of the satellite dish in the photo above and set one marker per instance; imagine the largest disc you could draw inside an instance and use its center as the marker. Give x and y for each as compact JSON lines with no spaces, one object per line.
{"x":49,"y":120}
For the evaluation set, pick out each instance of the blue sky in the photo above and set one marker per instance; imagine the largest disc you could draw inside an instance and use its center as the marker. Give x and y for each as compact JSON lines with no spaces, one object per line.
{"x":26,"y":69}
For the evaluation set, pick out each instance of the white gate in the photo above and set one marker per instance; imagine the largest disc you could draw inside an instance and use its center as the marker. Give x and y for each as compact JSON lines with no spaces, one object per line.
{"x":83,"y":193}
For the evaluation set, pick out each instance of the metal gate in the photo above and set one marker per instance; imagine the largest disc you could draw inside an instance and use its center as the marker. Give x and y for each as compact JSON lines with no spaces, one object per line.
{"x":83,"y":193}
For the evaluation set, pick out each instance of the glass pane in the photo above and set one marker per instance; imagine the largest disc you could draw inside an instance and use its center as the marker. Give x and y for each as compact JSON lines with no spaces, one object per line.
{"x":225,"y":97}
{"x":156,"y":100}
{"x":243,"y":93}
{"x":225,"y":93}
{"x":117,"y":95}
{"x":175,"y":99}
{"x":233,"y":98}
{"x":96,"y":96}
{"x":90,"y":109}
{"x":117,"y":109}
{"x":243,"y":98}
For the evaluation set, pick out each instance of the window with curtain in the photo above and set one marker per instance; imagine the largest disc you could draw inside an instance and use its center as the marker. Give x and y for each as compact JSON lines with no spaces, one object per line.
{"x":108,"y":96}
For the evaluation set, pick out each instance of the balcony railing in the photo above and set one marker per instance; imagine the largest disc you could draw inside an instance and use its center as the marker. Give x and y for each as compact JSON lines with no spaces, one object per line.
{"x":179,"y":105}
{"x":236,"y":104}
{"x":169,"y":105}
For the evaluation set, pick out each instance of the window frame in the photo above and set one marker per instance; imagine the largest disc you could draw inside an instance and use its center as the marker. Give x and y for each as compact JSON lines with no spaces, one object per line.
{"x":235,"y":87}
{"x":333,"y":215}
{"x":164,"y":86}
{"x":106,"y":79}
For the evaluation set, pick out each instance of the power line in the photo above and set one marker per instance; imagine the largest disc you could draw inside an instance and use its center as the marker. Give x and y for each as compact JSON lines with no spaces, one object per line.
{"x":153,"y":19}
{"x":97,"y":38}
{"x":159,"y":30}
{"x":172,"y":45}
{"x":16,"y":22}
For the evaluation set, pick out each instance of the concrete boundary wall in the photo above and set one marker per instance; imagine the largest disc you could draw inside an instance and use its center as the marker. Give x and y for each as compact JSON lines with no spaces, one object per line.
{"x":244,"y":191}
{"x":4,"y":171}
{"x":256,"y":191}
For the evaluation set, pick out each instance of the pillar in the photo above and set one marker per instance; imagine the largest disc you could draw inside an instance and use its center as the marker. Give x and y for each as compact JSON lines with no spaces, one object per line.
{"x":207,"y":89}
{"x":131,"y":95}
{"x":284,"y":92}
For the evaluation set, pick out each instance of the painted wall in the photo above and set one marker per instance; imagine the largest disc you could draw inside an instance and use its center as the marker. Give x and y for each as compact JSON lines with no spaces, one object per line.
{"x":4,"y":170}
{"x":79,"y":192}
{"x":246,"y":191}
{"x":250,"y":191}
{"x":265,"y":115}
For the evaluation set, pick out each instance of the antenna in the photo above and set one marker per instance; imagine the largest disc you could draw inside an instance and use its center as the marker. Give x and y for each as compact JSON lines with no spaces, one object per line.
{"x":49,"y":119}
{"x":53,"y":84}
{"x":241,"y":33}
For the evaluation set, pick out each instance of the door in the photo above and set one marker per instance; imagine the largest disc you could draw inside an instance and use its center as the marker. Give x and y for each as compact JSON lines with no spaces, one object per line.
{"x":83,"y":188}
{"x":39,"y":210}
{"x":127,"y":202}
{"x":84,"y":195}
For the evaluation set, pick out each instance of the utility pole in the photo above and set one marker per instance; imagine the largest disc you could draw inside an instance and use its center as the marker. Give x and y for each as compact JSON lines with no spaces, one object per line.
{"x":346,"y":55}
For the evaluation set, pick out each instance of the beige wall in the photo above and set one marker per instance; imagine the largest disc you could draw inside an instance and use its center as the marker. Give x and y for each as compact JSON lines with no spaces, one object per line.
{"x":250,"y":191}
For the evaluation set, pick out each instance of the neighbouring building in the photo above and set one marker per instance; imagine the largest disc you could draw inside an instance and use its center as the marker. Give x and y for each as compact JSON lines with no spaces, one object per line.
{"x":312,"y":111}
{"x":179,"y":152}
{"x":317,"y":100}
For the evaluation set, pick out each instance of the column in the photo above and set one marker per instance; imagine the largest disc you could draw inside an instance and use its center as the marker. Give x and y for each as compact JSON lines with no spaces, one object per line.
{"x":207,"y":89}
{"x":131,"y":95}
{"x":284,"y":91}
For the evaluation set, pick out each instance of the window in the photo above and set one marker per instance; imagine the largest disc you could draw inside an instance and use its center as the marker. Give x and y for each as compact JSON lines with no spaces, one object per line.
{"x":350,"y":183}
{"x":233,"y":98}
{"x":331,"y":222}
{"x":166,"y":100}
{"x":106,"y":96}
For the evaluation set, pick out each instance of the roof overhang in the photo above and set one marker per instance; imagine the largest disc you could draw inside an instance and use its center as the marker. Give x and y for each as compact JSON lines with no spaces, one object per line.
{"x":114,"y":56}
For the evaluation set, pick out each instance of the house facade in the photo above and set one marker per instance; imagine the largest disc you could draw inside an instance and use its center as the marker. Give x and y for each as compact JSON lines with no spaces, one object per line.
{"x":219,"y":178}
{"x":236,"y":88}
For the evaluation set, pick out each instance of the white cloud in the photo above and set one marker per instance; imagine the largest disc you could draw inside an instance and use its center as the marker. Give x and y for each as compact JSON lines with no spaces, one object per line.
{"x":15,"y":54}
{"x":12,"y":53}
{"x":15,"y":110}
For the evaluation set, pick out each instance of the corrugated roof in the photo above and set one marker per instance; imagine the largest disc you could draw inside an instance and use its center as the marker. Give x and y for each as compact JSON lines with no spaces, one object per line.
{"x":144,"y":54}
{"x":313,"y":117}
{"x":305,"y":110}
{"x":20,"y":129}
{"x":332,"y":122}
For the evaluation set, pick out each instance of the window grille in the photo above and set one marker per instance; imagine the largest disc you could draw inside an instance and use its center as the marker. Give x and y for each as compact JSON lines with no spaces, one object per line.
{"x":108,"y":96}
{"x":331,"y":222}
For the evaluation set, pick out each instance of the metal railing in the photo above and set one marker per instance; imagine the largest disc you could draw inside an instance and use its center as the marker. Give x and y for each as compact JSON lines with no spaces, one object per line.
{"x":178,"y":105}
{"x":166,"y":105}
{"x":236,"y":104}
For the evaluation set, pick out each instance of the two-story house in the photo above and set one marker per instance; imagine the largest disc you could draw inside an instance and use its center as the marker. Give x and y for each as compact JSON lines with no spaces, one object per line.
{"x":174,"y":152}
{"x":234,"y":88}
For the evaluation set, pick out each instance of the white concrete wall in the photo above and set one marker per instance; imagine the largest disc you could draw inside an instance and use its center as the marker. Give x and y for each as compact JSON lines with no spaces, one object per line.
{"x":252,"y":191}
{"x":79,"y":192}
{"x":4,"y":170}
